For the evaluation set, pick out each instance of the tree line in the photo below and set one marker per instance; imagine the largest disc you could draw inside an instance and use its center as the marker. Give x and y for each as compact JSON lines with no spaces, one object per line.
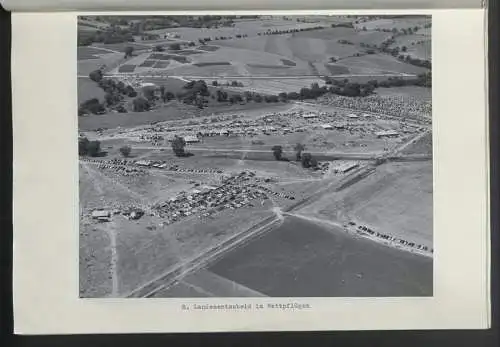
{"x":196,"y":93}
{"x":306,"y":159}
{"x":115,"y":93}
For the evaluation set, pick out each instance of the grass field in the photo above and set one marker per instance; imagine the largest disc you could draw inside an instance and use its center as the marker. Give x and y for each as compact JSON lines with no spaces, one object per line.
{"x":167,"y":113}
{"x":120,"y":47}
{"x":413,"y":92}
{"x":84,"y":67}
{"x":302,"y":259}
{"x":422,"y":146}
{"x":131,"y":119}
{"x":396,"y":199}
{"x":88,"y":89}
{"x":90,"y":52}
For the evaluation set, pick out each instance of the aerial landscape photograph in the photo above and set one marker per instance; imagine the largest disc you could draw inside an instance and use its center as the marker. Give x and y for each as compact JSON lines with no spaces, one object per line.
{"x":255,"y":156}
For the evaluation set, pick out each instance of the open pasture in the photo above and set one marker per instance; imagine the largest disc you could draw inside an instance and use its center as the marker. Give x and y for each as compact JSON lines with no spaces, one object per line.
{"x":87,"y":52}
{"x":88,"y":89}
{"x":120,"y":47}
{"x":130,"y":119}
{"x":110,"y":60}
{"x":302,"y":259}
{"x":412,"y":92}
{"x":381,"y":63}
{"x":275,"y":86}
{"x":421,"y":51}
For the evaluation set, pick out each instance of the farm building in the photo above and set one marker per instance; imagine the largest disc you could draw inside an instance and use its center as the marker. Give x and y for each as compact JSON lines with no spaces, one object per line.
{"x":310,"y":116}
{"x":98,"y":214}
{"x":191,"y":139}
{"x":352,"y":116}
{"x":387,"y":133}
{"x":344,"y":167}
{"x":326,"y":126}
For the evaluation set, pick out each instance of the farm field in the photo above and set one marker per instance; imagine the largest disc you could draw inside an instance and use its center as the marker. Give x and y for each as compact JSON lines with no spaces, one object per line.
{"x":86,"y":66}
{"x":286,"y":261}
{"x":88,"y":89}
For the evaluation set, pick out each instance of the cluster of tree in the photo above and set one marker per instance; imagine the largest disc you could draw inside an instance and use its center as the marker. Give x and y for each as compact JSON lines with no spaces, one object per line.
{"x":88,"y":148}
{"x":402,"y":31}
{"x":338,"y":87}
{"x":290,"y":31}
{"x":148,"y":37}
{"x":158,"y":48}
{"x":141,"y":104}
{"x":125,"y":151}
{"x":114,"y":34}
{"x":175,"y":46}
{"x":415,"y":61}
{"x":306,"y":159}
{"x":227,"y":84}
{"x":178,"y":144}
{"x":342,"y":25}
{"x":129,"y":51}
{"x":91,"y":106}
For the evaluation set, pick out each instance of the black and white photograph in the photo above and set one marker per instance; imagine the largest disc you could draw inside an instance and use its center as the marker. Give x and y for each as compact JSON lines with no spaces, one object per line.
{"x":227,"y":156}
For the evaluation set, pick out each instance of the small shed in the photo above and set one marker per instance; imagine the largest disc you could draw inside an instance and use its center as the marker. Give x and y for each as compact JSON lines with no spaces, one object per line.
{"x":97,"y":214}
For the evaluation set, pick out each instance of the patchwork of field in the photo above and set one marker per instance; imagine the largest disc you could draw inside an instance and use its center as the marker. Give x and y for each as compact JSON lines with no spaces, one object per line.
{"x":240,"y":213}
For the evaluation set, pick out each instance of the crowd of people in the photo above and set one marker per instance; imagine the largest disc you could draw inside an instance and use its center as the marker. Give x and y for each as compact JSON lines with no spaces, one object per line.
{"x":395,"y":105}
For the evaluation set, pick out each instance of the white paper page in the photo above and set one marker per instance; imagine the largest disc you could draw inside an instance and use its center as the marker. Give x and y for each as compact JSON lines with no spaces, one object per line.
{"x":46,"y":204}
